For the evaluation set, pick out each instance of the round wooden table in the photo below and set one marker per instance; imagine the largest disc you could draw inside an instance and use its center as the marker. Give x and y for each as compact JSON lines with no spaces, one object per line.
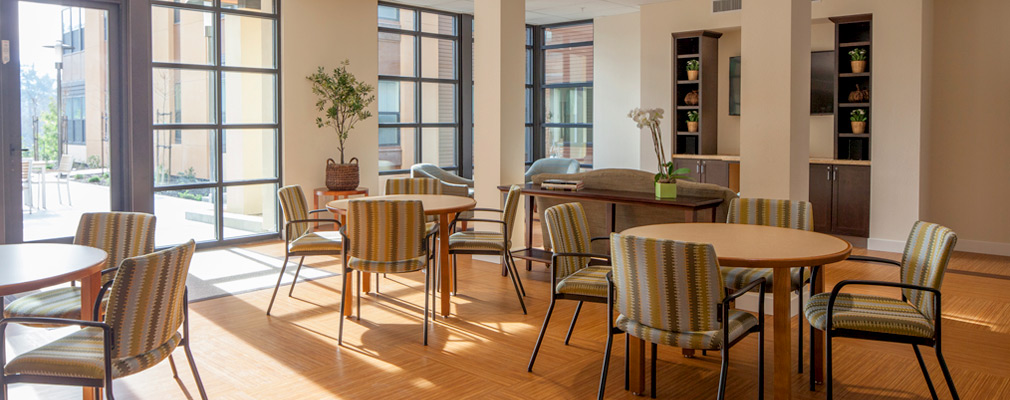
{"x":444,"y":206}
{"x":756,"y":246}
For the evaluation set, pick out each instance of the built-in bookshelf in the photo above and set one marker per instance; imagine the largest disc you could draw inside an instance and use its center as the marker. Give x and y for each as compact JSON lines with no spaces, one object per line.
{"x":702,"y":46}
{"x":851,"y":33}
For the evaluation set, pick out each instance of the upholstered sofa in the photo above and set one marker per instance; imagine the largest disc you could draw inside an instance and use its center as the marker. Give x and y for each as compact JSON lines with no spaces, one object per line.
{"x":627,"y":216}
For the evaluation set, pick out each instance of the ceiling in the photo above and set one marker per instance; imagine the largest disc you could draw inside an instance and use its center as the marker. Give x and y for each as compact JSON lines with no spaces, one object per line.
{"x":539,"y":12}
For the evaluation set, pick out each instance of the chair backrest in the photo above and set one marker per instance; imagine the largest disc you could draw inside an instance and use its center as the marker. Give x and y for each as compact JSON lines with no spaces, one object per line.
{"x":793,"y":214}
{"x":924,"y":262}
{"x":26,"y":170}
{"x":66,"y":164}
{"x":146,"y":304}
{"x":568,"y":231}
{"x":665,"y":284}
{"x":121,"y":234}
{"x":295,"y":207}
{"x":385,"y":230}
{"x":511,"y":208}
{"x":413,"y":186}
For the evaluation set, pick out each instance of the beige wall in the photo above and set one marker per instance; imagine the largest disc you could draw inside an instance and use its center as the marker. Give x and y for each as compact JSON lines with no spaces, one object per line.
{"x":616,"y":91}
{"x":970,"y":135}
{"x":323,"y":33}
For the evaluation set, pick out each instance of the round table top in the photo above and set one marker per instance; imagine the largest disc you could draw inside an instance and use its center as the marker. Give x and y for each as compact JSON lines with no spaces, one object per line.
{"x":33,"y":266}
{"x":327,"y":192}
{"x":433,"y":204}
{"x":757,"y":246}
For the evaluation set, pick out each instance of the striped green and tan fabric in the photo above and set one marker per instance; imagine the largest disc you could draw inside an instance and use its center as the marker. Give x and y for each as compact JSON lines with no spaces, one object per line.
{"x":511,"y":208}
{"x":739,"y":323}
{"x":145,"y":312}
{"x":387,"y":267}
{"x":384,"y":231}
{"x":413,"y":186}
{"x":316,"y":241}
{"x":869,"y":313}
{"x":673,"y":287}
{"x":477,"y":241}
{"x":295,"y":207}
{"x":121,"y":234}
{"x":923,"y":263}
{"x":767,"y":212}
{"x":568,"y":231}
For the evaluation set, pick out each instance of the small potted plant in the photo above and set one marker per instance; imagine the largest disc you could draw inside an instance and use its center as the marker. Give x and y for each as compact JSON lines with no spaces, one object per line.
{"x":692,"y":121}
{"x":666,"y":178}
{"x":692,"y":69}
{"x":858,"y":57}
{"x":344,"y":101}
{"x":858,"y":120}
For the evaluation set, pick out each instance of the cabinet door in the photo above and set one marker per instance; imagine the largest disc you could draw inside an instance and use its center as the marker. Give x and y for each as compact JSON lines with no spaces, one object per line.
{"x":693,"y":165}
{"x":851,"y":208}
{"x":821,"y":184}
{"x":716,"y":172}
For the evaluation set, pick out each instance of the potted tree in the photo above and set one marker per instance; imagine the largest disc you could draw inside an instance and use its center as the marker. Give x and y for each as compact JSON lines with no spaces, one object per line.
{"x":666,"y":178}
{"x":858,"y":57}
{"x":692,"y":69}
{"x":343,"y":101}
{"x":692,"y":121}
{"x":858,"y":120}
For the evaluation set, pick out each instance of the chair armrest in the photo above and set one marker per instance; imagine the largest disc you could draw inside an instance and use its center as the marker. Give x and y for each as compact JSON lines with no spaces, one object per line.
{"x":599,"y":238}
{"x":98,"y":300}
{"x":310,"y":220}
{"x":837,"y":289}
{"x":493,"y":221}
{"x":53,"y":321}
{"x":874,"y":259}
{"x":590,"y":255}
{"x":488,"y":209}
{"x":321,"y":210}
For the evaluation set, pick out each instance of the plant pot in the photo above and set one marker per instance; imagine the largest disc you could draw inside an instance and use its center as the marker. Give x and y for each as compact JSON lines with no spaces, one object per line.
{"x":692,"y":75}
{"x":858,"y":66}
{"x":342,"y":176}
{"x":858,"y":126}
{"x":692,"y":126}
{"x":666,"y":190}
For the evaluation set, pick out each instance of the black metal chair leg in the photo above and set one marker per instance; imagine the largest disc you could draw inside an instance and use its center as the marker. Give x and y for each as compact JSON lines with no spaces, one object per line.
{"x":343,"y":305}
{"x":813,"y":276}
{"x":799,"y":326}
{"x":827,"y":360}
{"x":925,"y":372}
{"x":192,"y":366}
{"x":571,"y":327}
{"x":946,"y":373}
{"x":653,"y":355}
{"x":278,"y":286}
{"x":171,"y":363}
{"x":515,"y":284}
{"x":723,"y":372}
{"x":761,"y":356}
{"x":297,"y":270}
{"x":606,"y":363}
{"x":540,"y":338}
{"x":516,"y":269}
{"x":427,"y":286}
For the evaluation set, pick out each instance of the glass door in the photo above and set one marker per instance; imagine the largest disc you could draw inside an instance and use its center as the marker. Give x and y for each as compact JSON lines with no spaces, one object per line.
{"x":66,"y":124}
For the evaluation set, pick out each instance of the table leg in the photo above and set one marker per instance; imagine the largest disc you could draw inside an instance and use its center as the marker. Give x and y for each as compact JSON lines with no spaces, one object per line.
{"x":781,"y":365}
{"x":689,"y":216}
{"x":366,"y":282}
{"x":530,"y":203}
{"x":817,"y":352}
{"x":443,"y":262}
{"x":612,"y":217}
{"x":636,"y":371}
{"x":90,"y":286}
{"x":715,"y":213}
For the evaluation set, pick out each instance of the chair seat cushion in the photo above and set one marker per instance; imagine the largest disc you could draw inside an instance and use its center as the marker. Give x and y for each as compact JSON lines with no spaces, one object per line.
{"x":64,"y":302}
{"x":868,"y":313}
{"x":80,"y":355}
{"x":737,"y":277}
{"x":430,"y":227}
{"x":588,"y":281}
{"x":387,"y":267}
{"x":477,"y":241}
{"x":316,"y":241}
{"x":740,"y":323}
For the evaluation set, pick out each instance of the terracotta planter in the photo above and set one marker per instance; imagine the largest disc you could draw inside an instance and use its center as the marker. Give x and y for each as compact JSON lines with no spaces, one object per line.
{"x":666,"y":190}
{"x":858,"y":67}
{"x":342,"y":176}
{"x":692,"y":75}
{"x":692,"y":126}
{"x":858,"y":126}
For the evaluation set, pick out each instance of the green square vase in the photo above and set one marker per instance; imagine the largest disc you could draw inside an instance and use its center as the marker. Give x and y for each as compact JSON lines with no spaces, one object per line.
{"x":666,"y":190}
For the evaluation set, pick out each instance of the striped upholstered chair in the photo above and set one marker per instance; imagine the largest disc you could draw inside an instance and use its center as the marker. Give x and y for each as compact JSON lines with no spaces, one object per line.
{"x":769,"y":212}
{"x":385,"y":237}
{"x":300,"y":240}
{"x":417,"y":186}
{"x":914,"y":319}
{"x":121,"y":234}
{"x":671,"y":293}
{"x":573,"y":277}
{"x":490,"y":242}
{"x":146,"y":309}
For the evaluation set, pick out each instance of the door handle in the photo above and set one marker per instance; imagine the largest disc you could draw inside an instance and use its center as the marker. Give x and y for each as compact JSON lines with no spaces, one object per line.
{"x":836,"y":174}
{"x":829,"y":172}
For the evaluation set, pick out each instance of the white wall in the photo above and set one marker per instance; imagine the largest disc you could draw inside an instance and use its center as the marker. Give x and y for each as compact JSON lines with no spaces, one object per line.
{"x":616,"y":90}
{"x":324,"y":33}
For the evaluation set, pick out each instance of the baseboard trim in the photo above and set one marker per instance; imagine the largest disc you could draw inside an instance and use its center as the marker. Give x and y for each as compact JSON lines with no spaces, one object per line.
{"x":978,"y":246}
{"x":894,"y":246}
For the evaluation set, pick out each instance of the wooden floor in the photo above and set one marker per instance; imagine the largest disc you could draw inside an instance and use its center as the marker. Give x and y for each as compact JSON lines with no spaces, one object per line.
{"x":482,"y":350}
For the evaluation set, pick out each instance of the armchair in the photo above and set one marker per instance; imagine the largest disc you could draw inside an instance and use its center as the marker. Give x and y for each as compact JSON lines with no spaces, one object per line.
{"x":552,"y":166}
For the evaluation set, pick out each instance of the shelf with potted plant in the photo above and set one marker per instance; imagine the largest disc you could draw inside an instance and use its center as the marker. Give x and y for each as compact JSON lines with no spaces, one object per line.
{"x":695,"y":92}
{"x":853,"y":81}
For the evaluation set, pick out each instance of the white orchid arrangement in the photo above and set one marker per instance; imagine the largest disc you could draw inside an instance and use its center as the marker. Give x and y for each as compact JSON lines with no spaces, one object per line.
{"x":857,"y":54}
{"x":858,"y":115}
{"x":650,"y":118}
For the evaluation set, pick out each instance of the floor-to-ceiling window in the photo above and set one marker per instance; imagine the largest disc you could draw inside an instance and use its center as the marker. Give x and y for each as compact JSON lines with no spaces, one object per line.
{"x":530,"y":90}
{"x":566,"y":87}
{"x":216,"y":119}
{"x":420,"y":88}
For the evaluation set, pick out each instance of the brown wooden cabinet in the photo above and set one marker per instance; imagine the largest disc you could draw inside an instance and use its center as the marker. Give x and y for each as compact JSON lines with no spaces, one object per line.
{"x":706,"y":171}
{"x":840,"y":195}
